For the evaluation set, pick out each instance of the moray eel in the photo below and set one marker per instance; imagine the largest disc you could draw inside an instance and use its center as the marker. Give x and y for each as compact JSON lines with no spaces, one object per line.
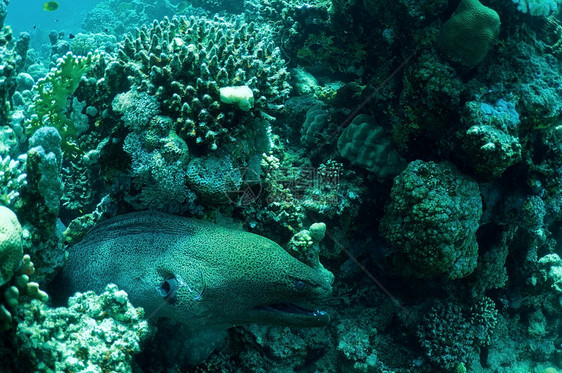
{"x":196,"y":272}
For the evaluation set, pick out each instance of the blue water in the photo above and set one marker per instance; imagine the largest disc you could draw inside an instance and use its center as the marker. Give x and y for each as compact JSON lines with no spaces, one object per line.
{"x":29,"y":16}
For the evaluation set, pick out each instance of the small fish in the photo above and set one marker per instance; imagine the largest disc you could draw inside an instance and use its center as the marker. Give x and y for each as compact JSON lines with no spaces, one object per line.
{"x":124,"y":6}
{"x":50,"y":6}
{"x":181,"y":7}
{"x":71,"y":36}
{"x":34,"y":26}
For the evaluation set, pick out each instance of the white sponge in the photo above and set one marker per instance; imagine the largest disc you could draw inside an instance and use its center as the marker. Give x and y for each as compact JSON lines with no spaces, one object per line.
{"x":242,"y":96}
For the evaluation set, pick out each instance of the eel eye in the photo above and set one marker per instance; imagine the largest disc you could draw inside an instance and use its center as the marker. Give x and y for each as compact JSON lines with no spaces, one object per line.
{"x":168,"y":289}
{"x":300,"y":285}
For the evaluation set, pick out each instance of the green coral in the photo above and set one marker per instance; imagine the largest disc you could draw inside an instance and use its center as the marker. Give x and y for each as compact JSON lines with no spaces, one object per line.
{"x":432,"y":218}
{"x":305,"y":246}
{"x":316,"y":130}
{"x":51,"y":100}
{"x":429,"y":97}
{"x":83,"y":43}
{"x":357,"y":342}
{"x":117,"y":17}
{"x":12,"y":59}
{"x":18,"y":291}
{"x":15,"y":269}
{"x":159,"y":166}
{"x":335,"y":191}
{"x":326,"y":48}
{"x":215,"y":6}
{"x":214,"y":179}
{"x":468,"y":35}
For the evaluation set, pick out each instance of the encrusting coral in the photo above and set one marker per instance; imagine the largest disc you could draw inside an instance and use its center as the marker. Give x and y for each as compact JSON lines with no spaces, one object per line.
{"x":432,"y":218}
{"x":95,"y":333}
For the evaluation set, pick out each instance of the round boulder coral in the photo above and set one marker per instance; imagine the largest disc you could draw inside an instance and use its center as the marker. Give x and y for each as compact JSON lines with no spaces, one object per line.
{"x":432,"y":218}
{"x":468,"y":35}
{"x":11,"y":249}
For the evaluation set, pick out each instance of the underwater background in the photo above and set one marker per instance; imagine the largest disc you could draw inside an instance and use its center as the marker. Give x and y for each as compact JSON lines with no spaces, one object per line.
{"x":281,"y":186}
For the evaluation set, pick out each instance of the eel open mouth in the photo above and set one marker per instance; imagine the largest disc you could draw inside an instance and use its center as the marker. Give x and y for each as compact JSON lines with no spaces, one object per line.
{"x":295,"y":315}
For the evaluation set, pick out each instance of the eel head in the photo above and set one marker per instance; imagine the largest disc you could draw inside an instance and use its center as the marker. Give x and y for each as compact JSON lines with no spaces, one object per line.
{"x":243,"y":279}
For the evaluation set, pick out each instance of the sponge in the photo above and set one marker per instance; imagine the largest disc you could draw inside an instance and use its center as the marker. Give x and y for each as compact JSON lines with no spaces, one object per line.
{"x":242,"y":96}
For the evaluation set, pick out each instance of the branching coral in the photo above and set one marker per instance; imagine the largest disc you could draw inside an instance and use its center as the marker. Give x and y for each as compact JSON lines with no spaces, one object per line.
{"x":173,"y":61}
{"x":451,"y":333}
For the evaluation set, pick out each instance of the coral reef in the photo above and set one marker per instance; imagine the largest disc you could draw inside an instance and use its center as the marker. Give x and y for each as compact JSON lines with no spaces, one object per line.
{"x":117,"y":17}
{"x":12,"y":180}
{"x":19,"y":290}
{"x":432,"y":218}
{"x":537,"y":7}
{"x":13,"y":56}
{"x":491,"y":142}
{"x":424,"y":137}
{"x":95,"y":333}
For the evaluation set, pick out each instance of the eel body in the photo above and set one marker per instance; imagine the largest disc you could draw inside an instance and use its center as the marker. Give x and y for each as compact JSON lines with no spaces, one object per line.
{"x":196,"y":272}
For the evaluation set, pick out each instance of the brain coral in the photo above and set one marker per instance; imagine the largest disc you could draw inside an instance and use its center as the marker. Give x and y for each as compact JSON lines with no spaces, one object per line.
{"x":432,"y":217}
{"x":468,"y":35}
{"x":11,"y":249}
{"x":314,"y":129}
{"x":184,"y":63}
{"x":365,"y":144}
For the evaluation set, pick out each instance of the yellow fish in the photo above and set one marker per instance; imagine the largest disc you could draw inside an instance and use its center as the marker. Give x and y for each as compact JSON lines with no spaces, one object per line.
{"x":50,"y":6}
{"x":181,"y":7}
{"x":124,"y":6}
